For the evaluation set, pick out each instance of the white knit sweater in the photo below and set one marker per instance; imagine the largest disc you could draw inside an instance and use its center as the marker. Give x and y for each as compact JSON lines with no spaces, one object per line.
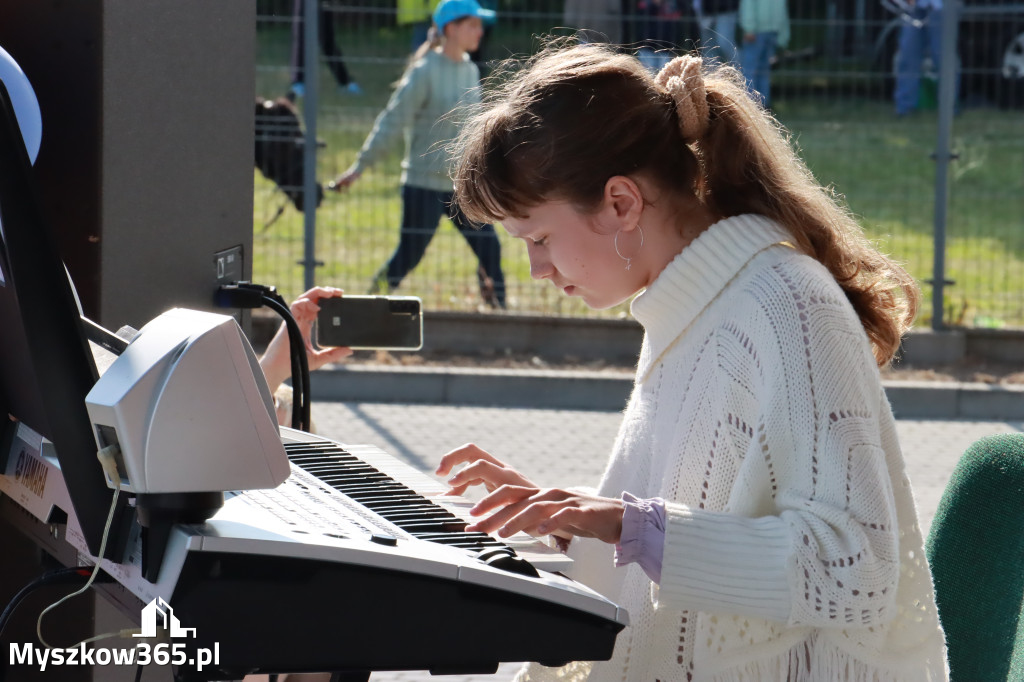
{"x":792,"y":548}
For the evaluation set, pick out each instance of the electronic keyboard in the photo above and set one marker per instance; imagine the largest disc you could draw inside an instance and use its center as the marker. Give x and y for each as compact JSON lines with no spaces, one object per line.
{"x":354,"y":564}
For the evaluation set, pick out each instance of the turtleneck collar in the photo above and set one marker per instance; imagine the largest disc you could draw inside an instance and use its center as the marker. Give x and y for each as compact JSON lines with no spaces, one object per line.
{"x":699,"y":273}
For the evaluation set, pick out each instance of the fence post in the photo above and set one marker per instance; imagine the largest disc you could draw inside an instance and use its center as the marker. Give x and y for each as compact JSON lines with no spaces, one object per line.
{"x":311,"y":80}
{"x":944,"y":154}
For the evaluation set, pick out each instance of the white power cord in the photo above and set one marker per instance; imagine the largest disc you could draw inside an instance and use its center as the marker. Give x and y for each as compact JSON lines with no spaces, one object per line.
{"x":108,"y":459}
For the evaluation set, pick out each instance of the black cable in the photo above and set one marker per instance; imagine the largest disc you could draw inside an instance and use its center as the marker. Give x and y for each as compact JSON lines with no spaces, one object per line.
{"x":295,"y":371}
{"x":300,"y":363}
{"x":59,"y":576}
{"x":249,"y":295}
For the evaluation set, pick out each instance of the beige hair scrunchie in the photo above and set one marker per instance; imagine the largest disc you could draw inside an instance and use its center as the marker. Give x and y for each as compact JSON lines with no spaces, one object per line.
{"x":682,"y":79}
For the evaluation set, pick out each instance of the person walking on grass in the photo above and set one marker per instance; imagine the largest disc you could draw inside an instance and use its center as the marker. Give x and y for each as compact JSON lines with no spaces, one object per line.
{"x":329,"y":46}
{"x":754,"y":519}
{"x":765,"y":28}
{"x":717,"y":19}
{"x":920,"y":35}
{"x":427,"y":107}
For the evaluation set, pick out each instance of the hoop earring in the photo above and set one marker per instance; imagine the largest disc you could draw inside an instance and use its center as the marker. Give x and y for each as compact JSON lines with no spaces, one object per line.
{"x":619,"y":253}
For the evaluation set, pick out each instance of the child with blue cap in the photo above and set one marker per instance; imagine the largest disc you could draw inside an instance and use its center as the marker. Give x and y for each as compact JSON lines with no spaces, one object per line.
{"x":451,"y":10}
{"x":427,"y":109}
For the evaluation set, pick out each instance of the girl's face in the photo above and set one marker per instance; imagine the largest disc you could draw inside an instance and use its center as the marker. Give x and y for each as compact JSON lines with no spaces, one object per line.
{"x":576,"y":252}
{"x":465,"y":33}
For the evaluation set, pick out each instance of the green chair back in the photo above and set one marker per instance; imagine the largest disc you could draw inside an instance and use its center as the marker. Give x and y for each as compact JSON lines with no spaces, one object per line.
{"x":976,"y":551}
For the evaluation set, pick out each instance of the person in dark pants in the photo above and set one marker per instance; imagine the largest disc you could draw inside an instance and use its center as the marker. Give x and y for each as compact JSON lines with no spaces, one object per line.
{"x":920,"y":35}
{"x":717,"y":19}
{"x":765,"y":28}
{"x":427,"y":109}
{"x":329,"y":46}
{"x":422,"y":210}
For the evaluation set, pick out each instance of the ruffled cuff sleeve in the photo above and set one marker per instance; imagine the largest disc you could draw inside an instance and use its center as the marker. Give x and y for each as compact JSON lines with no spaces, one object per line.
{"x":643,"y":535}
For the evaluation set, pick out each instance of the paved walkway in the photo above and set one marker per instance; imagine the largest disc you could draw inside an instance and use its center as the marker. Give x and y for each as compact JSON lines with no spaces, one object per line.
{"x":562,"y":447}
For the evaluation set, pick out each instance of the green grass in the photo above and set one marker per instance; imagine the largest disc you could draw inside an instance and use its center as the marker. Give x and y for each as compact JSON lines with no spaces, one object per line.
{"x":852,"y":143}
{"x":883,"y":168}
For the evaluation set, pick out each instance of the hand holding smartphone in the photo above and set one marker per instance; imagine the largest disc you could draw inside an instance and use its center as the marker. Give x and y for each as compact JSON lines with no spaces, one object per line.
{"x":370,"y":322}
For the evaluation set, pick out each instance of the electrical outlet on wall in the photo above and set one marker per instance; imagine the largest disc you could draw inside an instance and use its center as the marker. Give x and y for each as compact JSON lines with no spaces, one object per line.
{"x":228,"y":269}
{"x":228,"y":265}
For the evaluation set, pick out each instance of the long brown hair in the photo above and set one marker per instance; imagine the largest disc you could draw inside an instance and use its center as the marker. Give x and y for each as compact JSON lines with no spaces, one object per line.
{"x":576,"y":116}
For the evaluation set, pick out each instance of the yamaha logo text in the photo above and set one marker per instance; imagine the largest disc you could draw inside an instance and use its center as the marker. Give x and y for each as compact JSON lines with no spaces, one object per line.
{"x":31,"y":473}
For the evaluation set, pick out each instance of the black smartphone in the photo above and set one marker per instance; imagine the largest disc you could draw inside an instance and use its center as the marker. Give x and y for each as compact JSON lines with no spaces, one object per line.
{"x":377,"y":322}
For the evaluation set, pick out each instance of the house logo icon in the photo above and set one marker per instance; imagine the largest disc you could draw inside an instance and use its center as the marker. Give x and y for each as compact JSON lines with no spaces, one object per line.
{"x":160,"y":610}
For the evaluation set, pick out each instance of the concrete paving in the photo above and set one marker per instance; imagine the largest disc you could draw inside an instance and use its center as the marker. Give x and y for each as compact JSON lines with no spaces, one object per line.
{"x":609,"y":390}
{"x":564,"y":447}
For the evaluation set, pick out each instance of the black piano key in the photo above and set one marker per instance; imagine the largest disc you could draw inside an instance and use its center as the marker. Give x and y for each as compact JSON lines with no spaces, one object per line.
{"x":374,"y":502}
{"x":361,"y":485}
{"x":315,"y":447}
{"x":342,"y":476}
{"x":349,"y":487}
{"x":385,"y":492}
{"x":414,"y":515}
{"x":463,"y":536}
{"x":341,"y":473}
{"x":438,"y":526}
{"x":327,"y":460}
{"x":313,"y":459}
{"x":454,"y":540}
{"x":341,"y":470}
{"x":397,"y":516}
{"x":349,"y":474}
{"x":381,"y":484}
{"x":331,"y":463}
{"x":405,"y":507}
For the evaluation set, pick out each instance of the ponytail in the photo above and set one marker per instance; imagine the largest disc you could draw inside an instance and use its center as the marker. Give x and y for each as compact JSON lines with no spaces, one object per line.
{"x":750,"y":166}
{"x":433,"y":41}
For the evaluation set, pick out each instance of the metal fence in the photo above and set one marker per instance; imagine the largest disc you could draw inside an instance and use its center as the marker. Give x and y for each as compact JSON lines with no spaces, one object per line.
{"x":939,"y":186}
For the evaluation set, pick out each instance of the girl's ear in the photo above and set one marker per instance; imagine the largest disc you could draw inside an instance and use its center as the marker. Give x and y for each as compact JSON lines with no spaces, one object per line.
{"x":623,"y":204}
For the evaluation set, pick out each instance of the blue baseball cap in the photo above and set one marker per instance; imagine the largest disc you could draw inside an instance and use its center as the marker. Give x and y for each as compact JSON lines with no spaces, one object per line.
{"x":450,"y":10}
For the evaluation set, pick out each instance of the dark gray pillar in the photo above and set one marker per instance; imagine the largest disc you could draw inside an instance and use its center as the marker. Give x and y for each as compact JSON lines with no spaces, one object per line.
{"x":147,"y":155}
